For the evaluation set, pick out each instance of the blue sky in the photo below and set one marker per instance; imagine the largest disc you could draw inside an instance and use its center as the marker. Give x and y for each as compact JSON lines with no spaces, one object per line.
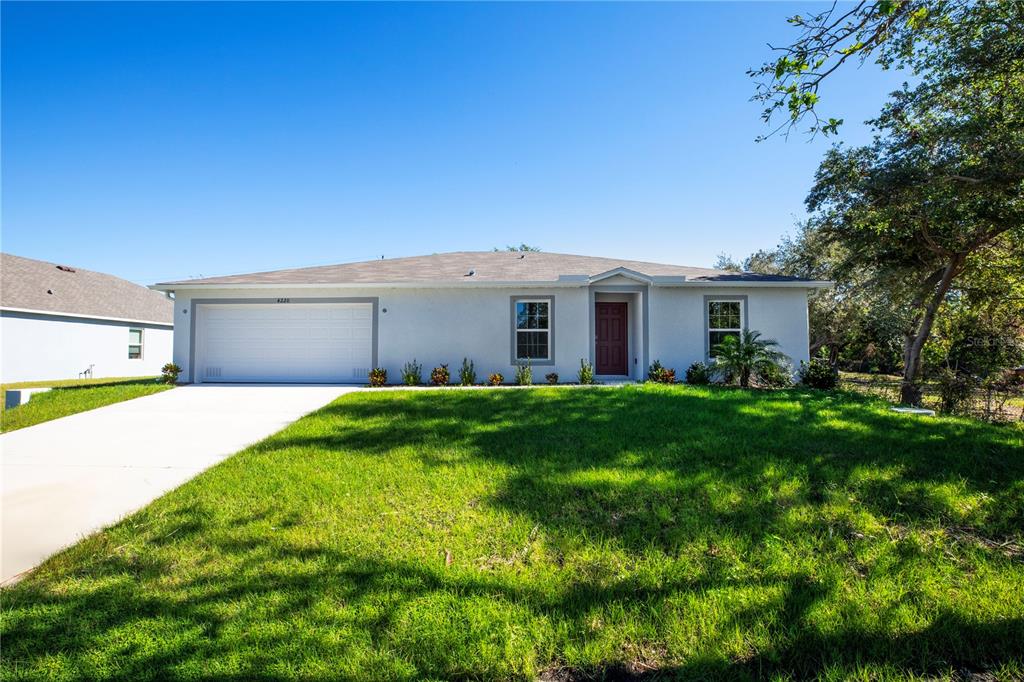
{"x":159,"y":141}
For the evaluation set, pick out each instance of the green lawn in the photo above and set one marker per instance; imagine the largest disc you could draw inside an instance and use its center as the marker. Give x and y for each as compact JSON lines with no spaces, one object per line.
{"x":567,"y":533}
{"x":70,"y":396}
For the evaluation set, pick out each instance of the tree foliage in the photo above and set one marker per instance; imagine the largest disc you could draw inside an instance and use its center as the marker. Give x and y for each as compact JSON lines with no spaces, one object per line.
{"x":920,"y":210}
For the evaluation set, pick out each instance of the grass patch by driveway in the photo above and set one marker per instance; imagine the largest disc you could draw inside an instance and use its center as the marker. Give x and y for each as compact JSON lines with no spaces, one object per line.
{"x":669,"y":530}
{"x":71,"y":396}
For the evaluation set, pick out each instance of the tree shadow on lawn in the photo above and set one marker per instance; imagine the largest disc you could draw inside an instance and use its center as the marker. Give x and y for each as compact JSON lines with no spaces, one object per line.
{"x":406,"y":620}
{"x":680,"y":475}
{"x":592,"y":460}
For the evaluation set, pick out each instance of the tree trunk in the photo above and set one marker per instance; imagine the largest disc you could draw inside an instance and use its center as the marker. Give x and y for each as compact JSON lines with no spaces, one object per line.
{"x":914,"y":340}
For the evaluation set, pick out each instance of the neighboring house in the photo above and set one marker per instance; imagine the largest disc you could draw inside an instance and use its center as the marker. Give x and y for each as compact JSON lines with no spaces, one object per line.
{"x":61,"y":322}
{"x":333,"y":323}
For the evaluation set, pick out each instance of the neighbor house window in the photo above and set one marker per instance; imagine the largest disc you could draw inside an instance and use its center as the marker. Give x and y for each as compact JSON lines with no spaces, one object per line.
{"x":532,"y":329}
{"x":134,"y":344}
{"x":725,"y":319}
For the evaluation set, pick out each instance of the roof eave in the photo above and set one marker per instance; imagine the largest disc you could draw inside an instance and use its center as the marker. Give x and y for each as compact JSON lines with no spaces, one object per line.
{"x":106,"y":318}
{"x":563,"y":282}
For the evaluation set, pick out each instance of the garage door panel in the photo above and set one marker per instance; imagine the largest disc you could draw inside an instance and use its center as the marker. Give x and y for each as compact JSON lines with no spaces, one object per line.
{"x":296,"y":342}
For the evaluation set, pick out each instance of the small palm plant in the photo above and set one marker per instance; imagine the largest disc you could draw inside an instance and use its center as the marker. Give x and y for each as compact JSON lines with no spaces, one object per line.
{"x":740,"y":357}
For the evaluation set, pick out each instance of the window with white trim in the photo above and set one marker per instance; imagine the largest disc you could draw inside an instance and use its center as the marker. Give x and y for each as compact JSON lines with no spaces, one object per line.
{"x":533,"y":329}
{"x":134,"y":344}
{"x":725,"y":319}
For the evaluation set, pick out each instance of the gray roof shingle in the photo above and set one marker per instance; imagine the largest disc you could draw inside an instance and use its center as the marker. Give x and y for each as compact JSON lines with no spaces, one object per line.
{"x":37,"y":285}
{"x":487,"y":266}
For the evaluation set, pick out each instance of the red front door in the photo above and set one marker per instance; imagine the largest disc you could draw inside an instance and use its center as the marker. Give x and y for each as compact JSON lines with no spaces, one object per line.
{"x":610,"y":348}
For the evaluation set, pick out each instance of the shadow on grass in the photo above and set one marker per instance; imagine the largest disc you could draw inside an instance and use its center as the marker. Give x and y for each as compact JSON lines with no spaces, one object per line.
{"x":646,"y":471}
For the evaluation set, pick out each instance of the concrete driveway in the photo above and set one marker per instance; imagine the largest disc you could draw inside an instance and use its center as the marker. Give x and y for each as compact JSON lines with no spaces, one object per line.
{"x":69,"y":477}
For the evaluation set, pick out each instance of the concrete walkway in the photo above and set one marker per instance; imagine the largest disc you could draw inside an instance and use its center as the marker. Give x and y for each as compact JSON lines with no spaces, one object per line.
{"x":69,"y":477}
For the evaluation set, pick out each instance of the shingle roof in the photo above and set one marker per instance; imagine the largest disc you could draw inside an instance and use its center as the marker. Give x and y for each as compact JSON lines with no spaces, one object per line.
{"x":37,"y":285}
{"x":487,"y":266}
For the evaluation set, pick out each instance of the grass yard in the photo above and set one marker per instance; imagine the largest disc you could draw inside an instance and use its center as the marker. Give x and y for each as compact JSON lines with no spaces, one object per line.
{"x":70,"y":396}
{"x":662,"y":531}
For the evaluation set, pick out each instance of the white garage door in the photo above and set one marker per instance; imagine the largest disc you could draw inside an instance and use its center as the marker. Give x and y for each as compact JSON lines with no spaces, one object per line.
{"x":286,"y":342}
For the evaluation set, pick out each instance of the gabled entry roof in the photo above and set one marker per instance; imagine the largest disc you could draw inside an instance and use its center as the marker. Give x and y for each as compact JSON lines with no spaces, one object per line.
{"x":495,"y":267}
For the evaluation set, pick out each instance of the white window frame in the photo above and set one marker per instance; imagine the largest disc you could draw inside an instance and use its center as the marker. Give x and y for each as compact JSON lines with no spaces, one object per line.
{"x":709,"y":329}
{"x":141,"y":344}
{"x":547,"y":359}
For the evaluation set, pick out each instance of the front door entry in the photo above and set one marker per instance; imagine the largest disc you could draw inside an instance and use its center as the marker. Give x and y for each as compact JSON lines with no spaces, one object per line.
{"x":610,"y":348}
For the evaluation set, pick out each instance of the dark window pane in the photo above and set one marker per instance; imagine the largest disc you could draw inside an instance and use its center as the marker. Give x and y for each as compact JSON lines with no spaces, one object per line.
{"x":134,"y":352}
{"x":531,"y":345}
{"x":715,"y":338}
{"x":531,"y":315}
{"x":724,"y":315}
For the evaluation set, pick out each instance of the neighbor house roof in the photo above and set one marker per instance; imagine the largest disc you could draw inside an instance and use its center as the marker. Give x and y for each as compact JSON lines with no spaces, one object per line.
{"x":484,"y":267}
{"x":35,"y":285}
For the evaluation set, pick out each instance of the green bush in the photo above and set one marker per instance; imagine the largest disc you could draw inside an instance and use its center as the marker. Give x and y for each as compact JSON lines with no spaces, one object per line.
{"x":819,"y":372}
{"x":955,"y":390}
{"x":412,"y":373}
{"x":169,"y":373}
{"x":378,"y":376}
{"x":524,"y":374}
{"x":440,"y":376}
{"x":740,"y":358}
{"x":661,"y":374}
{"x":698,"y":374}
{"x":773,"y":376}
{"x":467,"y":374}
{"x":586,"y":373}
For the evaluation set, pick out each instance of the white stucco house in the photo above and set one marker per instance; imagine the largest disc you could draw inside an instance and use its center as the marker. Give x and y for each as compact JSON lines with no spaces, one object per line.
{"x":334,"y":323}
{"x":63,"y":322}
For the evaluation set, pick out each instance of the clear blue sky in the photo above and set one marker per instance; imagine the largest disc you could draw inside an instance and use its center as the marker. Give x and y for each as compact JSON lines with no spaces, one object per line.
{"x":158,"y":141}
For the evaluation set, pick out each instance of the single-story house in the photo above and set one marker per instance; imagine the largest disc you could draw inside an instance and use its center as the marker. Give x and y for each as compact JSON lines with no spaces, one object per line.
{"x":334,"y":323}
{"x":63,"y":322}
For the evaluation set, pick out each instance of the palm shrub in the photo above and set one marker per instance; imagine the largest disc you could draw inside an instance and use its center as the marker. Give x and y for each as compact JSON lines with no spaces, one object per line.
{"x":586,"y":373}
{"x":378,"y":376}
{"x":524,"y":374}
{"x":738,"y":358}
{"x":496,"y":379}
{"x":467,"y":373}
{"x":412,"y":373}
{"x":169,"y":373}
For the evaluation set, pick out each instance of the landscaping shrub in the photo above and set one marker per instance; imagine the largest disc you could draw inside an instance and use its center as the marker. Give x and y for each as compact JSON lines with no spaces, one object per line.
{"x":467,"y":374}
{"x":412,"y":373}
{"x":440,"y":376}
{"x":378,"y":376}
{"x":773,"y":376}
{"x":819,"y":372}
{"x":698,"y":374}
{"x":955,"y":390}
{"x":169,"y":373}
{"x":661,"y":374}
{"x":552,"y":377}
{"x":496,"y":379}
{"x":738,"y":358}
{"x":586,"y":373}
{"x":524,"y":374}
